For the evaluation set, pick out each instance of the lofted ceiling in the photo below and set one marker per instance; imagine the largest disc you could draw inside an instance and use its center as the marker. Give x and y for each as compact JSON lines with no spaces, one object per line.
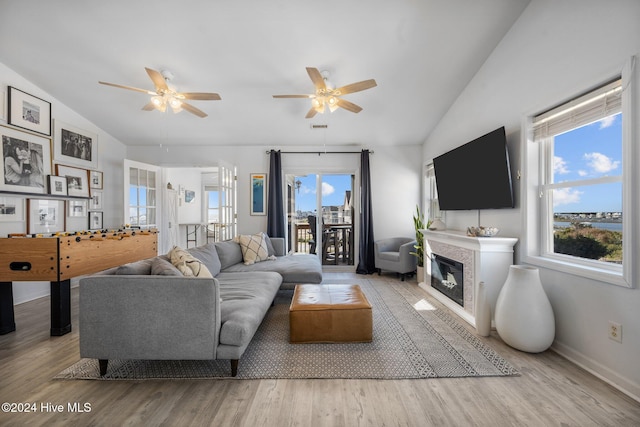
{"x":422,"y":54}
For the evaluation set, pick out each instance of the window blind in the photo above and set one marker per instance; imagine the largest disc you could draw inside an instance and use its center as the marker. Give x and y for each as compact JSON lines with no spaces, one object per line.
{"x":595,"y":105}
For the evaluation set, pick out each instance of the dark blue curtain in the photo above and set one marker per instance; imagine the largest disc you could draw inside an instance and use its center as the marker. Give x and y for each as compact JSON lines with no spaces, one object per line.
{"x":275,"y":202}
{"x":366,"y":258}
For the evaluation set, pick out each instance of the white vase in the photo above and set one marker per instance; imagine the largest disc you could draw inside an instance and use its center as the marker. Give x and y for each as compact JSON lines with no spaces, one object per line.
{"x":482,"y":311}
{"x":523,"y":315}
{"x":420,"y":274}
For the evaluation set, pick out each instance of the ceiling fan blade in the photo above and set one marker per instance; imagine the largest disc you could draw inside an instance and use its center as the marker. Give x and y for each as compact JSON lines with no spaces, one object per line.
{"x":316,"y":78}
{"x":148,"y":92}
{"x":149,"y":107}
{"x":158,"y":80}
{"x":312,"y":112}
{"x":193,"y":110}
{"x":200,"y":96}
{"x":356,"y":87}
{"x":293,"y":96}
{"x":348,"y":105}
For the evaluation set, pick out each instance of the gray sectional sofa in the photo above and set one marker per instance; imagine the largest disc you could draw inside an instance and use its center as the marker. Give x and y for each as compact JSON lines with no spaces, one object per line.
{"x":148,"y":310}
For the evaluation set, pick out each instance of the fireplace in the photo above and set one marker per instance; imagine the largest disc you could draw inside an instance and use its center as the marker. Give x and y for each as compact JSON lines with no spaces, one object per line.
{"x":477,"y":259}
{"x":447,"y":277}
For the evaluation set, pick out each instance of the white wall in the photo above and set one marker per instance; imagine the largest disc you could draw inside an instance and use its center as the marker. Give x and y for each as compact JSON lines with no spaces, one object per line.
{"x":110,"y":156}
{"x":553,"y":52}
{"x":395,"y":176}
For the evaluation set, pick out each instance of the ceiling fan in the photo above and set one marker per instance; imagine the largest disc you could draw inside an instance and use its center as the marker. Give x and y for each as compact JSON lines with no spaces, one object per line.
{"x":326,"y":96}
{"x":166,"y":94}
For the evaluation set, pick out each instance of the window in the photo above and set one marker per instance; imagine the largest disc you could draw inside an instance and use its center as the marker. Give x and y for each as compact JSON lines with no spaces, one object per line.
{"x":431,"y":195}
{"x":578,"y":199}
{"x":142,"y":196}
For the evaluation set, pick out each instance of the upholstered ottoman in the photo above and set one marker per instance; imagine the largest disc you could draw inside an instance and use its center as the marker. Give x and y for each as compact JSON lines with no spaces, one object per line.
{"x":330,"y":313}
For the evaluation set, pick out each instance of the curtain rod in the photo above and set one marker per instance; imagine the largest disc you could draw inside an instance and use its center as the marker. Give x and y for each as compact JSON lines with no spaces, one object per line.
{"x":320,"y":152}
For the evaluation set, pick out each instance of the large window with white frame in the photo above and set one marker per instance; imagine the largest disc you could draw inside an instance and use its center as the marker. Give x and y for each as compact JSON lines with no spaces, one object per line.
{"x":141,"y":197}
{"x":431,"y":195}
{"x":578,"y":203}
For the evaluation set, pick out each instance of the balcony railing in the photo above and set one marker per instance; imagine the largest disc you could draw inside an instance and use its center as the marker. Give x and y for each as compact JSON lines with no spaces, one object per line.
{"x":337,"y":248}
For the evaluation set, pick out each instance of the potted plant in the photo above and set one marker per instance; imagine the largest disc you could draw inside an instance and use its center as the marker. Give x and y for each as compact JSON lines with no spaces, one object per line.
{"x":419,"y":224}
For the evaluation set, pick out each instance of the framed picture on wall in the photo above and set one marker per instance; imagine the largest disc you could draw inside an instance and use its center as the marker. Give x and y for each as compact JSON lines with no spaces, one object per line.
{"x":95,"y":179}
{"x":77,"y":208}
{"x":258,"y":194}
{"x":28,"y":112}
{"x":26,"y":160}
{"x":96,"y":200}
{"x":75,"y":146}
{"x":57,"y":185}
{"x":189,"y":196}
{"x":95,"y":220}
{"x":11,"y":209}
{"x":45,"y":216}
{"x":77,"y":180}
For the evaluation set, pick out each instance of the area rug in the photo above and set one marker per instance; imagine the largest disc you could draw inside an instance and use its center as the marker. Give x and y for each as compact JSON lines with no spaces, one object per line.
{"x":411,"y":339}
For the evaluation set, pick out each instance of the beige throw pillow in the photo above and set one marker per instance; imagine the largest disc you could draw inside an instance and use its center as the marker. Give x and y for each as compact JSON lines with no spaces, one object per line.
{"x":254,"y":248}
{"x":188,"y":265}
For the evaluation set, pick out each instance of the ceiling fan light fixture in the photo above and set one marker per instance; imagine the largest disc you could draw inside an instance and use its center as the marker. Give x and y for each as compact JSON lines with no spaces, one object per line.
{"x":326,"y":95}
{"x":175,"y":103}
{"x":166,"y":94}
{"x":318,"y":105}
{"x":157,"y":100}
{"x":332,"y":101}
{"x":159,"y":103}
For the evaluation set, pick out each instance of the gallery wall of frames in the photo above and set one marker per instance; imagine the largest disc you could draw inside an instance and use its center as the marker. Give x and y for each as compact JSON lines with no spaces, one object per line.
{"x":49,"y":170}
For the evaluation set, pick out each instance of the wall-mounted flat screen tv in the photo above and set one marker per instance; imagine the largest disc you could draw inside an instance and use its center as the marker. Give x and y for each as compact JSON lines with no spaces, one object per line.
{"x":475,"y":175}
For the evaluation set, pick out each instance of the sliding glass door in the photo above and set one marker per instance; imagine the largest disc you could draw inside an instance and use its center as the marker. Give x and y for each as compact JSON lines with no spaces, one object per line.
{"x":321,"y":216}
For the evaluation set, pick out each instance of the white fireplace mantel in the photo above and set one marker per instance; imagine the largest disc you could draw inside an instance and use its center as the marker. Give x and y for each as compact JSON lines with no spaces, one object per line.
{"x":484,"y":259}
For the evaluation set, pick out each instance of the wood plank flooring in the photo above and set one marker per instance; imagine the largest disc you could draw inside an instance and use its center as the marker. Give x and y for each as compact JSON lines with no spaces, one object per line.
{"x":551,"y":391}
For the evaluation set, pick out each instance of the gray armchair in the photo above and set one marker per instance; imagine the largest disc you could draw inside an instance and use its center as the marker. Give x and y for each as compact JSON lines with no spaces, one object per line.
{"x":394,"y":254}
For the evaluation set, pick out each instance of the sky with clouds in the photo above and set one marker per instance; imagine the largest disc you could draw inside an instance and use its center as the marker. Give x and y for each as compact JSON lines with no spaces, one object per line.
{"x":333,"y":191}
{"x":592,"y":151}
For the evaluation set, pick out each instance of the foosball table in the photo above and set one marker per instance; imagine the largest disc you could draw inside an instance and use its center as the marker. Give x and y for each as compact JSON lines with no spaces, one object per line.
{"x":58,"y":259}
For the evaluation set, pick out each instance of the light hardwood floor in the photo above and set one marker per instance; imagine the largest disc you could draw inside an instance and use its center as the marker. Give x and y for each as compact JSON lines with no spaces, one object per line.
{"x":550,"y":391}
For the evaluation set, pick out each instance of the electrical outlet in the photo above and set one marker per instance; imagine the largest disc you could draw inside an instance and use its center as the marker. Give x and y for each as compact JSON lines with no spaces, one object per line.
{"x":615,"y":331}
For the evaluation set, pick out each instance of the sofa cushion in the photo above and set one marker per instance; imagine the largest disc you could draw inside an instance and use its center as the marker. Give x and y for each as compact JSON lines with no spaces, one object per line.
{"x":297,"y":268}
{"x":209,"y":257}
{"x":270,"y":249}
{"x":229,"y":253}
{"x":142,"y":267}
{"x":188,"y":265}
{"x":162,"y":267}
{"x":254,"y":248}
{"x":246,"y":297}
{"x":390,"y":256}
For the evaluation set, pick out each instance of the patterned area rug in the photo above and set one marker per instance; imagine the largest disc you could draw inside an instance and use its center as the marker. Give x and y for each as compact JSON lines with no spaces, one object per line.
{"x":411,"y":339}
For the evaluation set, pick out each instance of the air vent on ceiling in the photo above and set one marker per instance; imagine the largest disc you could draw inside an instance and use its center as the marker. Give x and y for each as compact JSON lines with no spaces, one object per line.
{"x":319,"y":126}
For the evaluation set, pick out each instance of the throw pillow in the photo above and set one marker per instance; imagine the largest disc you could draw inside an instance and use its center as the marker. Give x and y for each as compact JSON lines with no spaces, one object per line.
{"x":254,"y":248}
{"x":188,"y":265}
{"x":142,"y":267}
{"x":229,"y":253}
{"x":209,"y":257}
{"x":270,"y":247}
{"x":162,"y":267}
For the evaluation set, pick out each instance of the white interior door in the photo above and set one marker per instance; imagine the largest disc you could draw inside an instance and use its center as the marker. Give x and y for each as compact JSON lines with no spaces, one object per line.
{"x":227,"y":201}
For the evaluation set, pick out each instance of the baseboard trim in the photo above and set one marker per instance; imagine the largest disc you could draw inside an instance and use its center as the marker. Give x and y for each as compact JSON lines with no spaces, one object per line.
{"x":612,"y":378}
{"x":598,"y":370}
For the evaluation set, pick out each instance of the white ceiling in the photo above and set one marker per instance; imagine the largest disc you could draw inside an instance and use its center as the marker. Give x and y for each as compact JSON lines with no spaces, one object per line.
{"x":422,"y":53}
